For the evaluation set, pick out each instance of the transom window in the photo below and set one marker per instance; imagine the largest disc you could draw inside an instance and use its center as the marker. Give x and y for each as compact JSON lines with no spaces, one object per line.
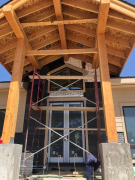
{"x":65,"y":82}
{"x":129,"y":114}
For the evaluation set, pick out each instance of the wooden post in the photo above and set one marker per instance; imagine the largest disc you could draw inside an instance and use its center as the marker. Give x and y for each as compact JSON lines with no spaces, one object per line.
{"x":109,"y":113}
{"x":14,"y":94}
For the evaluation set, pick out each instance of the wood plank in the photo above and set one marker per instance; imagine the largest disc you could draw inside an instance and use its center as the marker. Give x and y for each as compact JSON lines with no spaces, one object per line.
{"x":40,"y":17}
{"x":33,"y":8}
{"x":114,"y":61}
{"x":50,"y":40}
{"x":81,"y":29}
{"x":40,"y":32}
{"x":123,"y":8}
{"x":62,"y":77}
{"x":114,"y":69}
{"x":5,"y":31}
{"x":61,"y":52}
{"x":118,"y":15}
{"x":58,"y":108}
{"x":19,"y":32}
{"x":14,"y":93}
{"x":83,"y":40}
{"x":89,"y":58}
{"x":87,"y":6}
{"x":59,"y":16}
{"x":90,"y":32}
{"x":8,"y":46}
{"x":58,"y":46}
{"x":82,"y":5}
{"x":48,"y":23}
{"x":49,"y":59}
{"x":109,"y":113}
{"x":77,"y":14}
{"x":120,"y":26}
{"x":24,"y":12}
{"x":116,"y":52}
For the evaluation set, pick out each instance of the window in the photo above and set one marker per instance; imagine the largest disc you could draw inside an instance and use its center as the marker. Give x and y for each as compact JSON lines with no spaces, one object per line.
{"x":2,"y":116}
{"x":129,"y":114}
{"x":65,"y":82}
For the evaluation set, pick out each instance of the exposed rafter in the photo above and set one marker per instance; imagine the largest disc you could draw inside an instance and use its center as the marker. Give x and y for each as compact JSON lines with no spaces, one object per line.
{"x":20,"y":34}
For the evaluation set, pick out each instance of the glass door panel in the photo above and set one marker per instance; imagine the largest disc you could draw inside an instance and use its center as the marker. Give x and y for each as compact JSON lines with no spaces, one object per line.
{"x":66,"y":119}
{"x":56,"y":121}
{"x":75,"y":121}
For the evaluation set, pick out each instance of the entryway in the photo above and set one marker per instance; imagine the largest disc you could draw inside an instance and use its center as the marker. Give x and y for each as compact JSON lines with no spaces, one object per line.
{"x":63,"y":122}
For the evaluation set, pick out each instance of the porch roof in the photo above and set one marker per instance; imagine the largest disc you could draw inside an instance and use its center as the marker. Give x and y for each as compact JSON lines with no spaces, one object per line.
{"x":67,"y":24}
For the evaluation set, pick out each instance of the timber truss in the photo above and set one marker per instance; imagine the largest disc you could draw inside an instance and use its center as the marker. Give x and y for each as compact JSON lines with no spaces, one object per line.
{"x":55,"y":28}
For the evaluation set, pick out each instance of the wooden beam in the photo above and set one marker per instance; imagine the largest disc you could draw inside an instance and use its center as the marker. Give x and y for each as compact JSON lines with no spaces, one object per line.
{"x":77,"y":14}
{"x":15,"y":25}
{"x":82,"y":5}
{"x":102,"y":15}
{"x":89,"y":58}
{"x":40,"y":32}
{"x":116,"y":52}
{"x":14,"y":93}
{"x":61,"y":52}
{"x":56,"y":108}
{"x":90,"y":32}
{"x":123,"y":8}
{"x":50,"y":40}
{"x":59,"y":16}
{"x":49,"y":59}
{"x":120,"y":26}
{"x":27,"y":10}
{"x":62,"y":22}
{"x":88,"y":6}
{"x":109,"y":113}
{"x":62,"y":77}
{"x":101,"y":26}
{"x":33,"y":8}
{"x":40,"y":17}
{"x":83,"y":40}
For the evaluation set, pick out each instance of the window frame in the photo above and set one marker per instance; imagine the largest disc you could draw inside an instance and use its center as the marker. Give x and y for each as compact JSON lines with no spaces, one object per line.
{"x":70,"y":67}
{"x":121,"y":105}
{"x":131,"y":145}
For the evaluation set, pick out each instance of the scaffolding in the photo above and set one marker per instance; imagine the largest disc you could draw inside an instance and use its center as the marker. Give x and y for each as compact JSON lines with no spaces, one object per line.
{"x":41,"y":126}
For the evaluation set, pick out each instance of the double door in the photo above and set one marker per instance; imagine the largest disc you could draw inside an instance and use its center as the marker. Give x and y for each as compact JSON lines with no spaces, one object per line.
{"x":63,"y":123}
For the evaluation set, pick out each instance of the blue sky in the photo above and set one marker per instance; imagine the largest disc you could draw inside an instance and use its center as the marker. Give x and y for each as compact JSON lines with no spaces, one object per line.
{"x":129,"y":69}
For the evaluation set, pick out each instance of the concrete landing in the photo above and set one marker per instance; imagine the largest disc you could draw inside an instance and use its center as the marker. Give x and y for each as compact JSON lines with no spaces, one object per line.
{"x":116,"y":161}
{"x":10,"y":157}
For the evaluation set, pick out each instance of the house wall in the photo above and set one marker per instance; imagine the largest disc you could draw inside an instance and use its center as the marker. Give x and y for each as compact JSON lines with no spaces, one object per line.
{"x":122,"y":96}
{"x":21,"y":110}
